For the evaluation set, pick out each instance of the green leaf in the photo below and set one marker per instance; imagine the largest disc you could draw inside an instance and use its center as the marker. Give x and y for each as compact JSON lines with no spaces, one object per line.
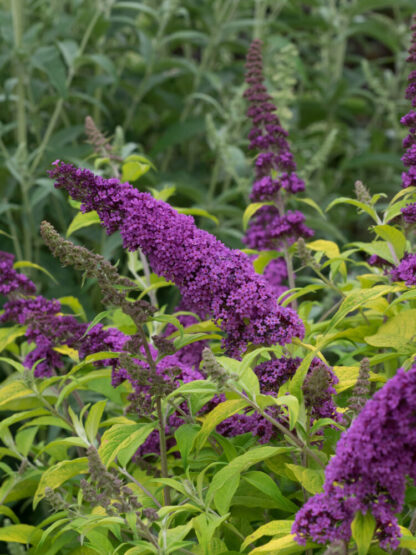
{"x":75,"y":305}
{"x":20,"y":533}
{"x":225,"y":482}
{"x":263,"y":259}
{"x":205,"y":525}
{"x":13,"y":390}
{"x":6,"y":511}
{"x":24,"y":439}
{"x":395,"y":210}
{"x":132,"y":170}
{"x":393,"y":236}
{"x":398,"y":332}
{"x":344,"y":200}
{"x":92,"y":422}
{"x":56,"y":475}
{"x":8,"y":335}
{"x":164,"y":194}
{"x":362,"y":528}
{"x":196,"y":386}
{"x":94,"y":357}
{"x":48,"y":60}
{"x":82,"y":220}
{"x":407,"y":296}
{"x":268,"y":486}
{"x":97,"y":319}
{"x":211,"y":420}
{"x":247,"y":379}
{"x":407,"y":540}
{"x":300,"y":292}
{"x":69,"y":51}
{"x":251,"y":210}
{"x":380,"y":248}
{"x":357,"y":298}
{"x":286,"y":545}
{"x":292,"y":404}
{"x":273,"y":528}
{"x":311,"y":480}
{"x":16,"y":365}
{"x":329,"y":248}
{"x":184,"y":437}
{"x":27,"y":264}
{"x":313,"y":204}
{"x":198,"y":212}
{"x":179,"y":132}
{"x":123,"y":441}
{"x":54,"y":446}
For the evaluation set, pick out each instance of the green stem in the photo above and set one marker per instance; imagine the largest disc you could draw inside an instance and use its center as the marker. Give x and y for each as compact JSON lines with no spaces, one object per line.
{"x":59,"y":105}
{"x":17,"y":17}
{"x":161,"y":420}
{"x":293,"y":438}
{"x":163,"y":452}
{"x":138,"y":484}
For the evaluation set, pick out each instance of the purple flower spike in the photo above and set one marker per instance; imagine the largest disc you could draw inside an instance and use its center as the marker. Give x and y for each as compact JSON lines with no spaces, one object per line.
{"x":369,"y":469}
{"x":409,"y":120}
{"x":275,"y":171}
{"x":406,"y":270}
{"x":268,"y":229}
{"x":10,"y":280}
{"x":214,"y":280}
{"x":409,"y":213}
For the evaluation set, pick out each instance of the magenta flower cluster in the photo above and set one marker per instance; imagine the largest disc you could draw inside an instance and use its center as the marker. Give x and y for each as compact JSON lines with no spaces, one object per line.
{"x":369,"y":470}
{"x":405,"y":270}
{"x":275,"y":170}
{"x":10,"y":280}
{"x":409,"y":143}
{"x":47,"y":327}
{"x":214,"y":281}
{"x":275,"y":166}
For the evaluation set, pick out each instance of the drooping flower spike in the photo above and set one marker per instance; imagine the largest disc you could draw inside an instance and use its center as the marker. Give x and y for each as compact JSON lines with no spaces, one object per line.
{"x":214,"y":281}
{"x":46,"y":326}
{"x":369,"y":470}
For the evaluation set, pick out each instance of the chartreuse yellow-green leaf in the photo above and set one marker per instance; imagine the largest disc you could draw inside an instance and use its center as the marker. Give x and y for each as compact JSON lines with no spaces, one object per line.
{"x":221,"y":412}
{"x":273,"y":528}
{"x":8,"y":335}
{"x":251,"y":210}
{"x":20,"y":533}
{"x":56,"y":475}
{"x":407,"y":540}
{"x":310,"y":479}
{"x":82,"y":220}
{"x":285,"y":545}
{"x":127,"y":438}
{"x":362,"y":528}
{"x":398,"y":332}
{"x":357,"y":299}
{"x":13,"y":390}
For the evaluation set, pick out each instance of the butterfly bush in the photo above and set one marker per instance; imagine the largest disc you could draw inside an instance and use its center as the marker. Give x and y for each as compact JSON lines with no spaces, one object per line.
{"x":47,"y":327}
{"x":10,"y":280}
{"x":409,"y":120}
{"x":405,"y":270}
{"x":369,"y":469}
{"x":275,"y":171}
{"x":213,"y":279}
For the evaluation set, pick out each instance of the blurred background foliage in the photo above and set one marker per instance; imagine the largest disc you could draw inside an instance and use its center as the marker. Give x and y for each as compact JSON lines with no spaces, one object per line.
{"x":165,"y":78}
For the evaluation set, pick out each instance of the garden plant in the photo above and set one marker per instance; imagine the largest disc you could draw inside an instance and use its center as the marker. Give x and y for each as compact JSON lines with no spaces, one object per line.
{"x":208,"y":324}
